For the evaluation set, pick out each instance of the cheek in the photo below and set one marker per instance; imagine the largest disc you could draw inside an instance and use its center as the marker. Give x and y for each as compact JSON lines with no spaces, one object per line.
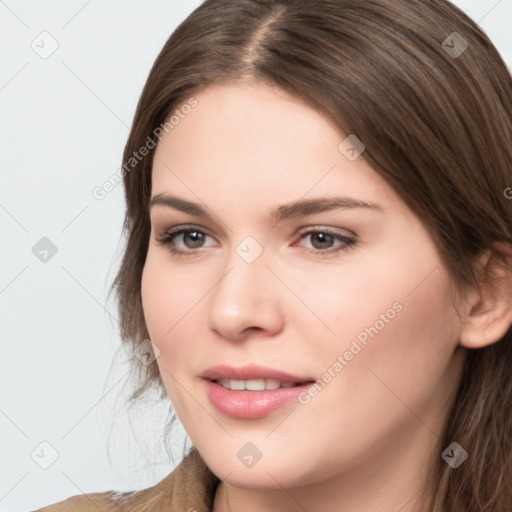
{"x":154,"y":300}
{"x":397,"y":304}
{"x":348,"y":302}
{"x":395,"y":328}
{"x":165,"y":312}
{"x":160,"y":302}
{"x":170,"y":301}
{"x":395,"y":351}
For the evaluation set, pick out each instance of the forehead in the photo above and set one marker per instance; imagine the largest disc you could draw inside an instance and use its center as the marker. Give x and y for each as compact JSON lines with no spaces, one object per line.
{"x":245,"y":141}
{"x":241,"y":120}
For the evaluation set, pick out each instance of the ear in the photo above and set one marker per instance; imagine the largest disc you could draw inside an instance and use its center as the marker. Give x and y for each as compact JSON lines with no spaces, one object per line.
{"x":487,"y":321}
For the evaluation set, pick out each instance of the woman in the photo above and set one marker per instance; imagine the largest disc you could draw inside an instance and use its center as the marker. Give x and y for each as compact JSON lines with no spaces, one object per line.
{"x":319,"y":249}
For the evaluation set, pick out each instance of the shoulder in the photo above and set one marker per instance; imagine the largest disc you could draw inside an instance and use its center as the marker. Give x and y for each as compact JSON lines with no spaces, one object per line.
{"x":191,"y":485}
{"x":103,"y":501}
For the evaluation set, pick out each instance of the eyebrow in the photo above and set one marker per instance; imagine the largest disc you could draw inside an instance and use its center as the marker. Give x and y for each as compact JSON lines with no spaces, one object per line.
{"x":286,"y":211}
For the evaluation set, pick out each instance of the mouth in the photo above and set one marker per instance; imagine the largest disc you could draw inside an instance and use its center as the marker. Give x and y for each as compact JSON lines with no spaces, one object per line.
{"x":252,"y":404}
{"x":253,"y":378}
{"x":252,"y":392}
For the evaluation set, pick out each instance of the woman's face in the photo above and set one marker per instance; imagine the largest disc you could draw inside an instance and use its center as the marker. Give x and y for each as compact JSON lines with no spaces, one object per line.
{"x":355,"y":298}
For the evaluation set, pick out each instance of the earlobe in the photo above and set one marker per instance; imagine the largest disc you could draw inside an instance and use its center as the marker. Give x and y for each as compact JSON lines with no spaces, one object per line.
{"x":488,"y":320}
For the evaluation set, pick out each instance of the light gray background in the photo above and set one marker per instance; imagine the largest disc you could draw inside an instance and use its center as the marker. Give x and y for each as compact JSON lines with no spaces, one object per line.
{"x":64,"y":123}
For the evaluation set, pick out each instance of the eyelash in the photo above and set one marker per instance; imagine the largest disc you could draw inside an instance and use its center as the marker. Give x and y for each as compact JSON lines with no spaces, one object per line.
{"x":167,"y":238}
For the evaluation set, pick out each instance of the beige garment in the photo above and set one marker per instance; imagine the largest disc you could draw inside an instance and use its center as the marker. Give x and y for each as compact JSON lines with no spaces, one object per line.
{"x":190,"y":487}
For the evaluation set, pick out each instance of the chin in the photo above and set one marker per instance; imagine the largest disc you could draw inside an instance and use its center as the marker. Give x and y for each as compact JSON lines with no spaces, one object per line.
{"x":270,"y":472}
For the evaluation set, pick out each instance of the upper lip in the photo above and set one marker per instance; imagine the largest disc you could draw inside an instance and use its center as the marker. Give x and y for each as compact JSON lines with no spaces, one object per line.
{"x":250,"y":372}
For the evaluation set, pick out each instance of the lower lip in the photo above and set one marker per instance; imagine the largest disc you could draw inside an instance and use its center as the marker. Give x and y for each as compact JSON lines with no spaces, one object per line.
{"x":251,"y":404}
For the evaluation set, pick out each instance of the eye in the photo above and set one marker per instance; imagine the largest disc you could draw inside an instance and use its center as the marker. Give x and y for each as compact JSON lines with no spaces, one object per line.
{"x":196,"y":239}
{"x":193,"y":238}
{"x":323,"y":239}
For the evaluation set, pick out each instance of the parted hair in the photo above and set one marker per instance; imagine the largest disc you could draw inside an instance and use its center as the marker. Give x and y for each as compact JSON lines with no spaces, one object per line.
{"x":426,"y":91}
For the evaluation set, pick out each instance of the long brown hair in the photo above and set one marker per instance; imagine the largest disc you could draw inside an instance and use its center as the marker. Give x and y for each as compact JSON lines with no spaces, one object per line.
{"x":434,"y":110}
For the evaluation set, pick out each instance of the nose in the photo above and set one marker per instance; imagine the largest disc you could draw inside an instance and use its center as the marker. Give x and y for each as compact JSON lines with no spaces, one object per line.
{"x":245,"y":299}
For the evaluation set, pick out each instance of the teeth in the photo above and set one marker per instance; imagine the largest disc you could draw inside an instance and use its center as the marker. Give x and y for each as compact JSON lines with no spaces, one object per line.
{"x":254,"y":384}
{"x":272,"y":384}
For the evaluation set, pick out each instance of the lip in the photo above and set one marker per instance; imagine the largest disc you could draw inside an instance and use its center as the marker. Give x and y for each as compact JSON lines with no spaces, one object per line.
{"x":251,"y":404}
{"x":251,"y":371}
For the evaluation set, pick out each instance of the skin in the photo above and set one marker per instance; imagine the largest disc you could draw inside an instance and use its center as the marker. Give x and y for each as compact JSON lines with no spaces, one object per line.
{"x":369,"y":436}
